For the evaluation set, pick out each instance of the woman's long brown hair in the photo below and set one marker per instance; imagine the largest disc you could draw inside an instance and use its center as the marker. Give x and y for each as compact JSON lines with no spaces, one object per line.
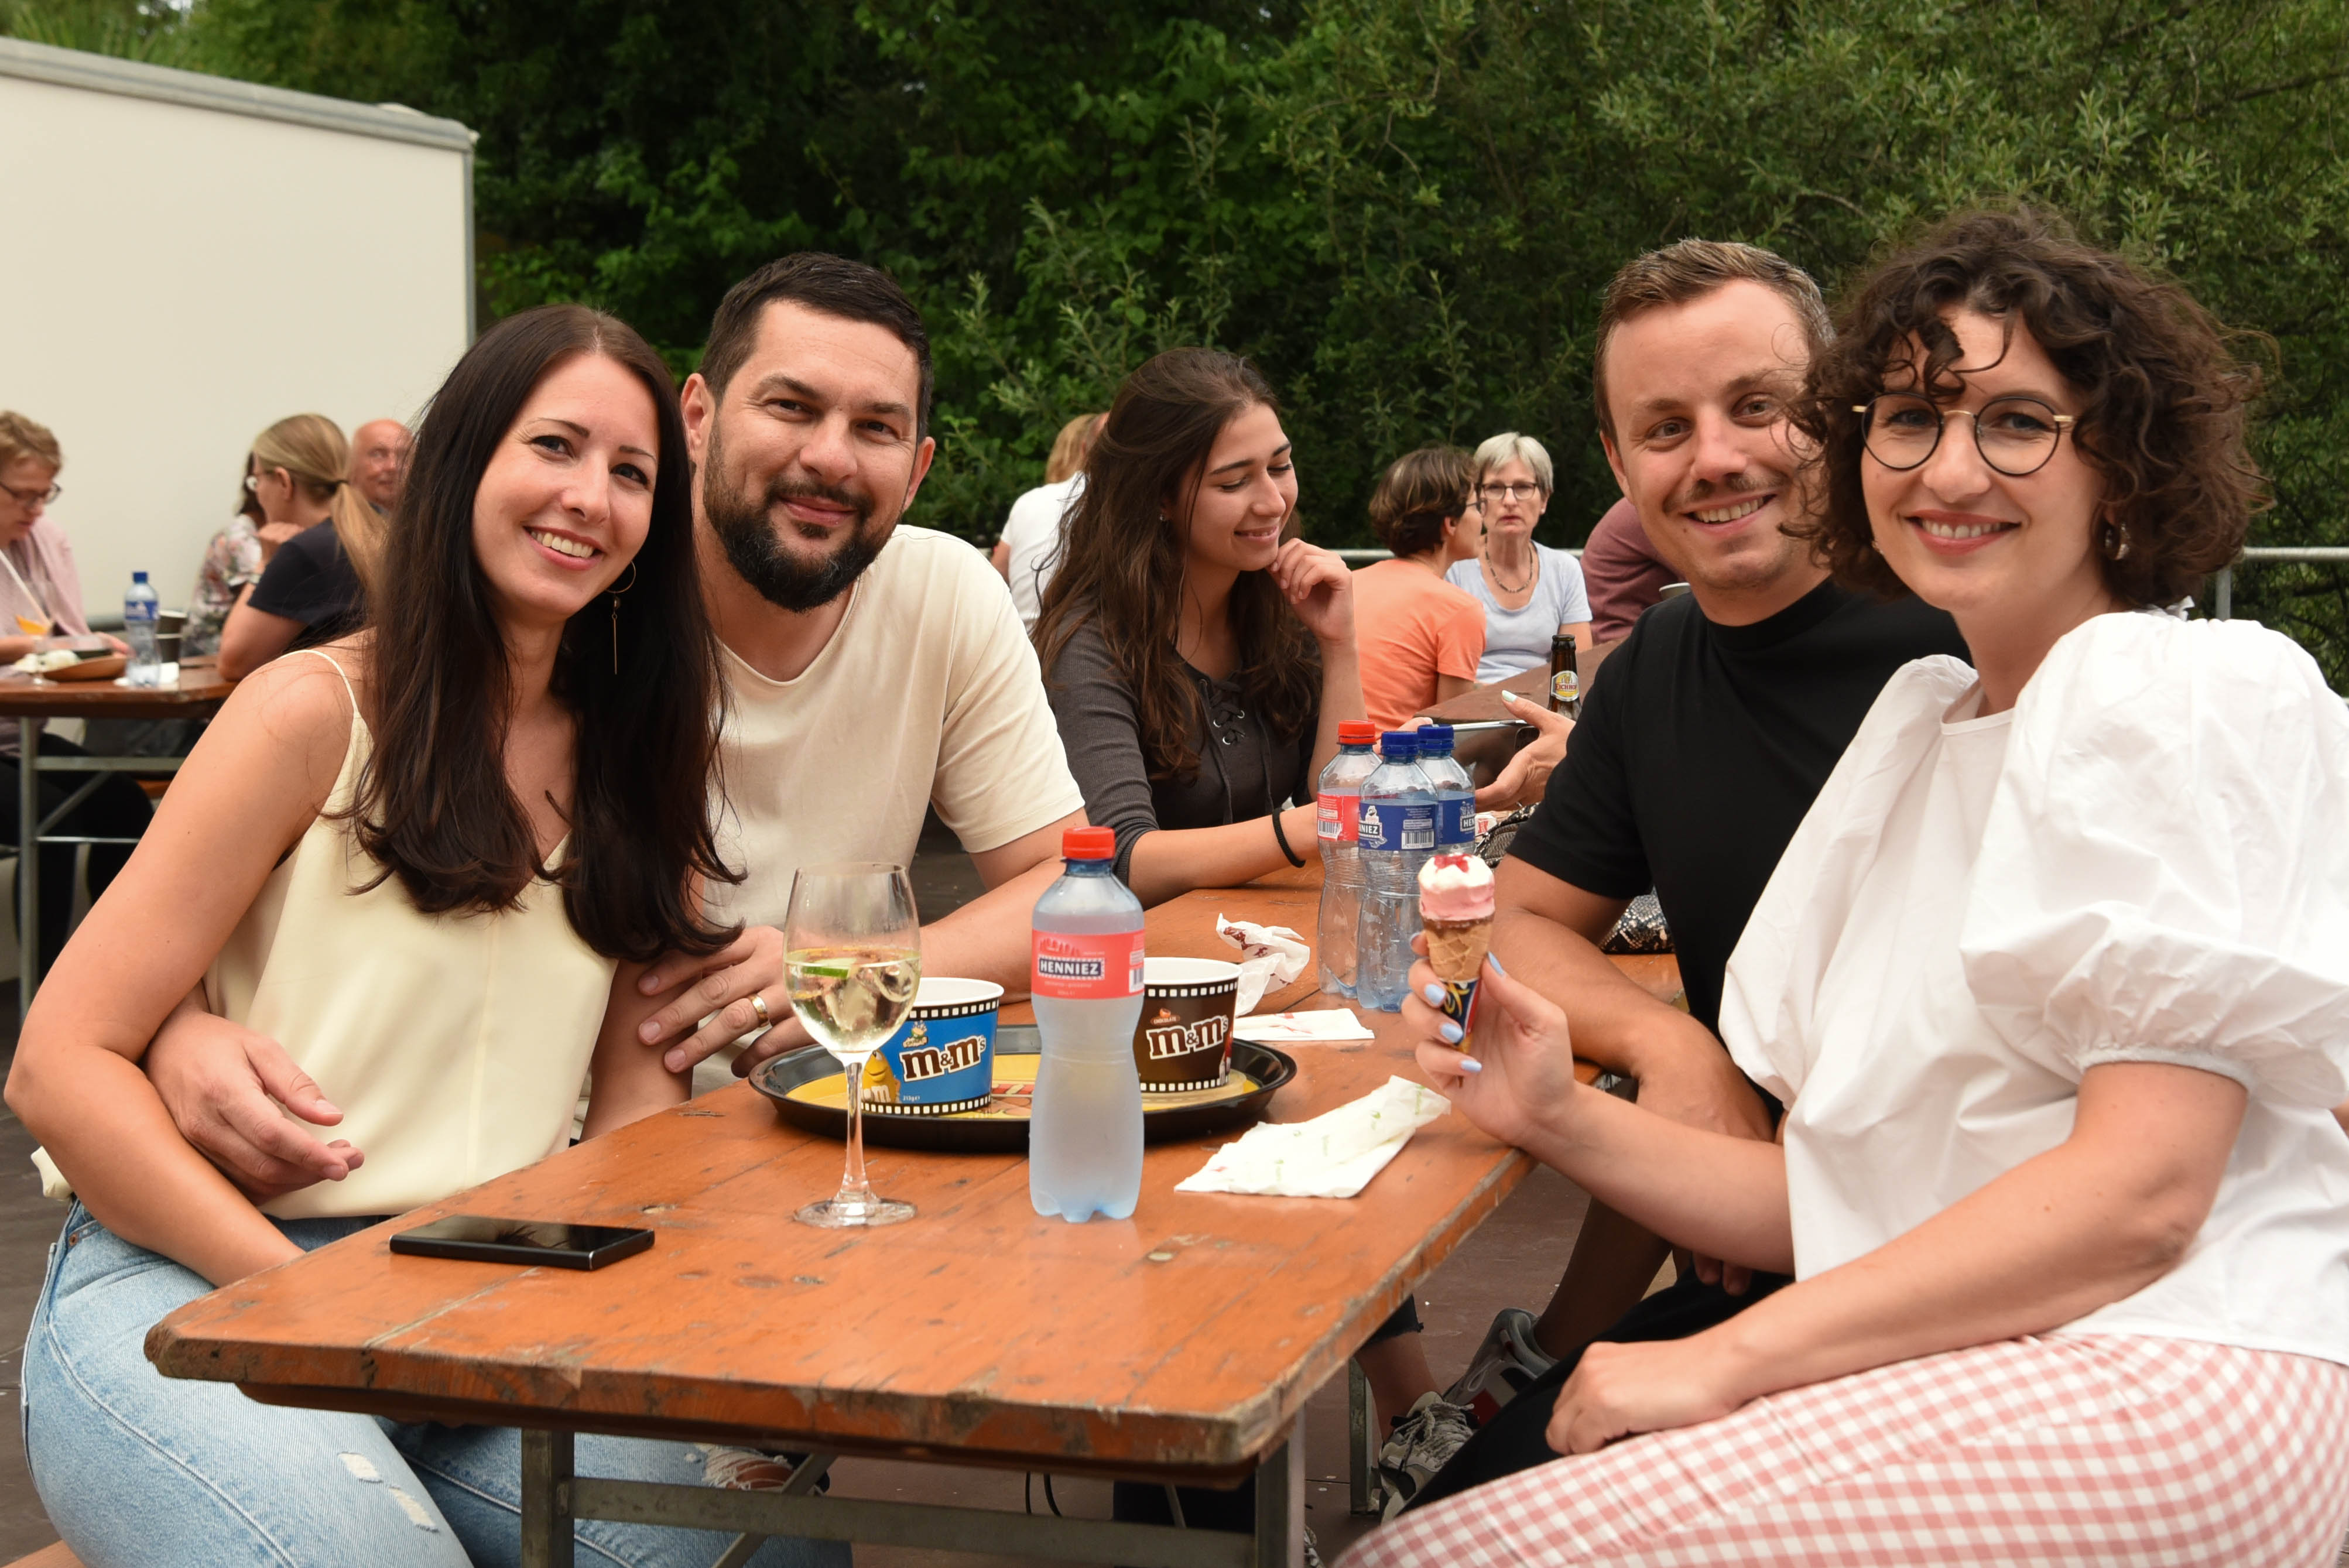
{"x":433,"y":806}
{"x":1121,"y":561}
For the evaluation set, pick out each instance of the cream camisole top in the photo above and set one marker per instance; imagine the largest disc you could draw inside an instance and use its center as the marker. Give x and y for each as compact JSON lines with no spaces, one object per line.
{"x":455,"y":1045}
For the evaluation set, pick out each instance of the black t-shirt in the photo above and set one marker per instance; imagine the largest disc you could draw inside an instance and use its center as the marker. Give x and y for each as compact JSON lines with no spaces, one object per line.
{"x":1701,"y":746}
{"x":311,"y":580}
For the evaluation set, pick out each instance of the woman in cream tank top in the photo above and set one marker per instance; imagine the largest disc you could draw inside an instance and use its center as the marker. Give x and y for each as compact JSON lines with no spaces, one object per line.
{"x":429,"y":861}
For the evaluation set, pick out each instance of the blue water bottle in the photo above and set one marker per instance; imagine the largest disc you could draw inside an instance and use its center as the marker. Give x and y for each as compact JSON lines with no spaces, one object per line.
{"x":1455,"y":792}
{"x":139,"y":631}
{"x":1397,"y":834}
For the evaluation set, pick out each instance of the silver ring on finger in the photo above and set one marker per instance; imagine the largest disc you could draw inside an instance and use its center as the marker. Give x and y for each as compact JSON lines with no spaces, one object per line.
{"x":759,"y":1006}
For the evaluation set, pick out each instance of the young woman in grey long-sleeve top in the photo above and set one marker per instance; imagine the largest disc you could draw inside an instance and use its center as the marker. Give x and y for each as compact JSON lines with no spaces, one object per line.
{"x":1199,"y":656}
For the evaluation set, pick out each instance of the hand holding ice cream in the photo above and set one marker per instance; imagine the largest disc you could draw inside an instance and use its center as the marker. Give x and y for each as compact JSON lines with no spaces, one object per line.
{"x":1455,"y":905}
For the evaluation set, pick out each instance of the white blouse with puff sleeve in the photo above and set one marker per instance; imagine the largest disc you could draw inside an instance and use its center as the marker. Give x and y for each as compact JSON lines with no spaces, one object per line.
{"x":2146,"y":861}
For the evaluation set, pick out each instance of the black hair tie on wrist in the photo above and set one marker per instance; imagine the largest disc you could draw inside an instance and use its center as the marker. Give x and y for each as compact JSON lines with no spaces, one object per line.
{"x":1282,"y":839}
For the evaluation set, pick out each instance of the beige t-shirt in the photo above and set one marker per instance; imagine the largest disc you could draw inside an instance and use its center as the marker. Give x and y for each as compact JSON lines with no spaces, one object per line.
{"x":929,"y":692}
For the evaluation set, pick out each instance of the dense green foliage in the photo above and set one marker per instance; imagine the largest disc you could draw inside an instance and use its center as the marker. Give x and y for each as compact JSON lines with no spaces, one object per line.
{"x":1404,"y":208}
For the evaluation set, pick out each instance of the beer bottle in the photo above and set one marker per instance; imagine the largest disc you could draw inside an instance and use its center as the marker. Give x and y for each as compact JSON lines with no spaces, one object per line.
{"x":1565,"y":679}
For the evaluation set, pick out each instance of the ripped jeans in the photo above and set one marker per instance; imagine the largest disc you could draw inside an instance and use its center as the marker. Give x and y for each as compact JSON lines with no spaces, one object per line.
{"x":137,"y":1468}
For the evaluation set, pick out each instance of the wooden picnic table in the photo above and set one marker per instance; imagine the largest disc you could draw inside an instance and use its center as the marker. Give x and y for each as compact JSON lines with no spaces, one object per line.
{"x":196,"y":692}
{"x":1178,"y":1346}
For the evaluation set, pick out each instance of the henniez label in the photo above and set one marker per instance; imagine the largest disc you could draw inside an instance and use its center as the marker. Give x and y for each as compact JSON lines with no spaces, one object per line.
{"x":1071,"y":966}
{"x":1398,"y":824}
{"x":1335,"y":817}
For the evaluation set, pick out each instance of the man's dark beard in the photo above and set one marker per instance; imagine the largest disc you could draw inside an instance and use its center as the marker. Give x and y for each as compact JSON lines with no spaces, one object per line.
{"x":746,"y":527}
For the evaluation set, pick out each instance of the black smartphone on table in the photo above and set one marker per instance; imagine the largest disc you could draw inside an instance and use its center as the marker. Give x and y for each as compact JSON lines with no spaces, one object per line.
{"x":542,"y":1243}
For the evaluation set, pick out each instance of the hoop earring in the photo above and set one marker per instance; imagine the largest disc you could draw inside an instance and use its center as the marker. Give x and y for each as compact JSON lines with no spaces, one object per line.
{"x":2115,"y":541}
{"x":617,"y":590}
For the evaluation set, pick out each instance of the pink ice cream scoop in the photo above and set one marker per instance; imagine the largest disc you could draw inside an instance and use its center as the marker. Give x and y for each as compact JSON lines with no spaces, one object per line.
{"x":1455,"y":887}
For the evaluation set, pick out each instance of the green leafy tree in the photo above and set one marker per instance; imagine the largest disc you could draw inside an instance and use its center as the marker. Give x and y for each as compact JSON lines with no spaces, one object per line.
{"x":1405,"y":209}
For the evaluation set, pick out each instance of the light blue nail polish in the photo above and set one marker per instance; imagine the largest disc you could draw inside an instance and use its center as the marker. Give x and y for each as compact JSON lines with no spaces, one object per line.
{"x":1449,"y":1031}
{"x":1495,"y":959}
{"x":1470,"y":1064}
{"x":1433,"y":993}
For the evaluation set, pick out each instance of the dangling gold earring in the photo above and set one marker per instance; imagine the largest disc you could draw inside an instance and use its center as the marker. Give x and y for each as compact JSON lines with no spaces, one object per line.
{"x":617,"y":589}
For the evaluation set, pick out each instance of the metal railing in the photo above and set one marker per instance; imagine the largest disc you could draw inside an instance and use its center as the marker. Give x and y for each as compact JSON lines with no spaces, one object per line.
{"x":2222,"y":591}
{"x":1364,"y":556}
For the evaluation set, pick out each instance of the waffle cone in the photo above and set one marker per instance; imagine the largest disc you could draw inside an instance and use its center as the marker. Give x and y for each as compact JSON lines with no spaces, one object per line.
{"x":1456,"y":949}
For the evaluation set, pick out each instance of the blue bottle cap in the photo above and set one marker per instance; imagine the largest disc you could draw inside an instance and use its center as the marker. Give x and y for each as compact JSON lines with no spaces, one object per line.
{"x":1436,"y":739}
{"x":137,"y":577}
{"x":1397,"y":743}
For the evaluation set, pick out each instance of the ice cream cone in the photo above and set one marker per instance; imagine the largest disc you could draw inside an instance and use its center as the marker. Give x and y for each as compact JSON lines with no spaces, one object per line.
{"x":1456,"y":949}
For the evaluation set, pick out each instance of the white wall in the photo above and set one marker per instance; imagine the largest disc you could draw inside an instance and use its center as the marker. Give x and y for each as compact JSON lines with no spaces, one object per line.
{"x":173,"y":279}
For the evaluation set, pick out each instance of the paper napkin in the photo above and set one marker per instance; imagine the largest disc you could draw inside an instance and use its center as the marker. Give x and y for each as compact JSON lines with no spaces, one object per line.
{"x":1333,"y":1156}
{"x":1269,"y":956}
{"x":1314,"y":1025}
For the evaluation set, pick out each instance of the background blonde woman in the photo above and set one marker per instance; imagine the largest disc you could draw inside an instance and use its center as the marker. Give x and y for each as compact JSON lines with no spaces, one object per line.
{"x":313,"y":580}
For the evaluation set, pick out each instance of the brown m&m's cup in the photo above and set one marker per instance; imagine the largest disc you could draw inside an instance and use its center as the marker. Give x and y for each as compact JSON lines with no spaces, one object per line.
{"x":1184,"y":1038}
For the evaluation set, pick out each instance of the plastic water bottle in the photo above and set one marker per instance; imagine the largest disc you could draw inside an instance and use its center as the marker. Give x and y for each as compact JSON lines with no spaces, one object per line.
{"x":1337,"y":802}
{"x":1455,"y":792}
{"x":1084,"y":1126}
{"x":139,"y":631}
{"x":1398,"y":834}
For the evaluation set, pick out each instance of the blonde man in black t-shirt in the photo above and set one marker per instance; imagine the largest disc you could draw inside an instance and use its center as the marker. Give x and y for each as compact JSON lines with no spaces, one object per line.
{"x":1703,"y":741}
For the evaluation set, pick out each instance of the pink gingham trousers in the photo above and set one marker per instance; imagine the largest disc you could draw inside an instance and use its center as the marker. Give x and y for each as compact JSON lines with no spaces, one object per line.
{"x":2089,"y":1449}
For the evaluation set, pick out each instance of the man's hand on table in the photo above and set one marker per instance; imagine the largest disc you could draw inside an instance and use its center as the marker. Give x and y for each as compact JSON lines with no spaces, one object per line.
{"x":1692,"y":1080}
{"x":718,"y":989}
{"x":223,"y":1085}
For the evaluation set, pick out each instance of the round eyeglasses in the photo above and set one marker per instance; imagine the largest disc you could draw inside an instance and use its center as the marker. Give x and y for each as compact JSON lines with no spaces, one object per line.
{"x":33,"y":497}
{"x":2015,"y":435}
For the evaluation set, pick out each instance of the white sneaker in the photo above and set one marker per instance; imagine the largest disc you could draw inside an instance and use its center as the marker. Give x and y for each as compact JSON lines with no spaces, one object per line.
{"x":1422,"y":1444}
{"x":1506,"y":1361}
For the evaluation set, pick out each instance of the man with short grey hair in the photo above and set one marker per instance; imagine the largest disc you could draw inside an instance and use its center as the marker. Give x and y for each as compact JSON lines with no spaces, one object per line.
{"x":379,"y":462}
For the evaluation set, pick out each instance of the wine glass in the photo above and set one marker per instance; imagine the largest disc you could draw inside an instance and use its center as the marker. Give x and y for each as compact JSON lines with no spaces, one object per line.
{"x":853,"y":958}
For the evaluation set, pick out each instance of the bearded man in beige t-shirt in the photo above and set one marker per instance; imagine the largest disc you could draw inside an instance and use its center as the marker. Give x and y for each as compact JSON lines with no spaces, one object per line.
{"x":872,"y":671}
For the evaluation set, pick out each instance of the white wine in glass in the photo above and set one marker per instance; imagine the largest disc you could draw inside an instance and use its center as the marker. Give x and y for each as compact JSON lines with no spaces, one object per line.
{"x":853,"y":959}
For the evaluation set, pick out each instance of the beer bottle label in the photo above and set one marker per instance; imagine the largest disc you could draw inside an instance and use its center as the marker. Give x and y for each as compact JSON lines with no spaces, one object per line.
{"x":1566,"y":685}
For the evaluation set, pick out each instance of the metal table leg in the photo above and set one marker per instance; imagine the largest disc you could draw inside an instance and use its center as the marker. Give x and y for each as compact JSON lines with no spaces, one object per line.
{"x":546,"y":1499}
{"x":1280,"y":1503}
{"x":1362,"y":1488}
{"x":28,"y":864}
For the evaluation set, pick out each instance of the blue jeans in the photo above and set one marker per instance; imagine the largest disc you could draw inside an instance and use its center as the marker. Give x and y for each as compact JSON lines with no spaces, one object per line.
{"x":137,"y":1468}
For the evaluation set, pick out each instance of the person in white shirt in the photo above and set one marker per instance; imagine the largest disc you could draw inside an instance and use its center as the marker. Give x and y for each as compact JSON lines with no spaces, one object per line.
{"x":1530,"y":592}
{"x":2053,"y":979}
{"x":1039,"y":519}
{"x":873,"y":668}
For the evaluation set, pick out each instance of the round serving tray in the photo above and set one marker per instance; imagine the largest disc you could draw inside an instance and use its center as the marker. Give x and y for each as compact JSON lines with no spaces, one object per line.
{"x":807,"y":1088}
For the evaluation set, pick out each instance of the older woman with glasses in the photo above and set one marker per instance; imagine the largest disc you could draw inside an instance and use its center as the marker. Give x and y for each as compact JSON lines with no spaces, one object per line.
{"x":40,"y":595}
{"x":2054,"y":983}
{"x":1530,"y":592}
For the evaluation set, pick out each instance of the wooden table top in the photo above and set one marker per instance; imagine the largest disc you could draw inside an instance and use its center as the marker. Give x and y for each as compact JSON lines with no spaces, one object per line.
{"x":199,"y":693}
{"x":1482,"y":703}
{"x":1181,"y":1343}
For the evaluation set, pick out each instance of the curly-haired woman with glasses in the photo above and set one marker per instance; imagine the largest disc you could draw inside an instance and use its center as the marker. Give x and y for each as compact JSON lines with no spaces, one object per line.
{"x":2054,"y":982}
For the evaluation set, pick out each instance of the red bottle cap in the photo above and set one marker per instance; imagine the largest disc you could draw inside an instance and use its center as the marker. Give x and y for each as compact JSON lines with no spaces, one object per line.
{"x":1088,"y":843}
{"x":1357,"y":732}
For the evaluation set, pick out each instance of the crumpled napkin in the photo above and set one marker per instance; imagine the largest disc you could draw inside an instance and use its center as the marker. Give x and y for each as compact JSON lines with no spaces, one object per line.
{"x":1333,"y":1156}
{"x":1269,"y":956}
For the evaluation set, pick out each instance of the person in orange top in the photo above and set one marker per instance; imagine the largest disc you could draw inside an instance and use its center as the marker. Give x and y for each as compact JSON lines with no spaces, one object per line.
{"x":1419,"y":637}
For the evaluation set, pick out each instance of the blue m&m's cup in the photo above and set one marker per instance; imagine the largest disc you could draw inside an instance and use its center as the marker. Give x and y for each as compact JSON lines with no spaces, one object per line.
{"x":942,"y":1058}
